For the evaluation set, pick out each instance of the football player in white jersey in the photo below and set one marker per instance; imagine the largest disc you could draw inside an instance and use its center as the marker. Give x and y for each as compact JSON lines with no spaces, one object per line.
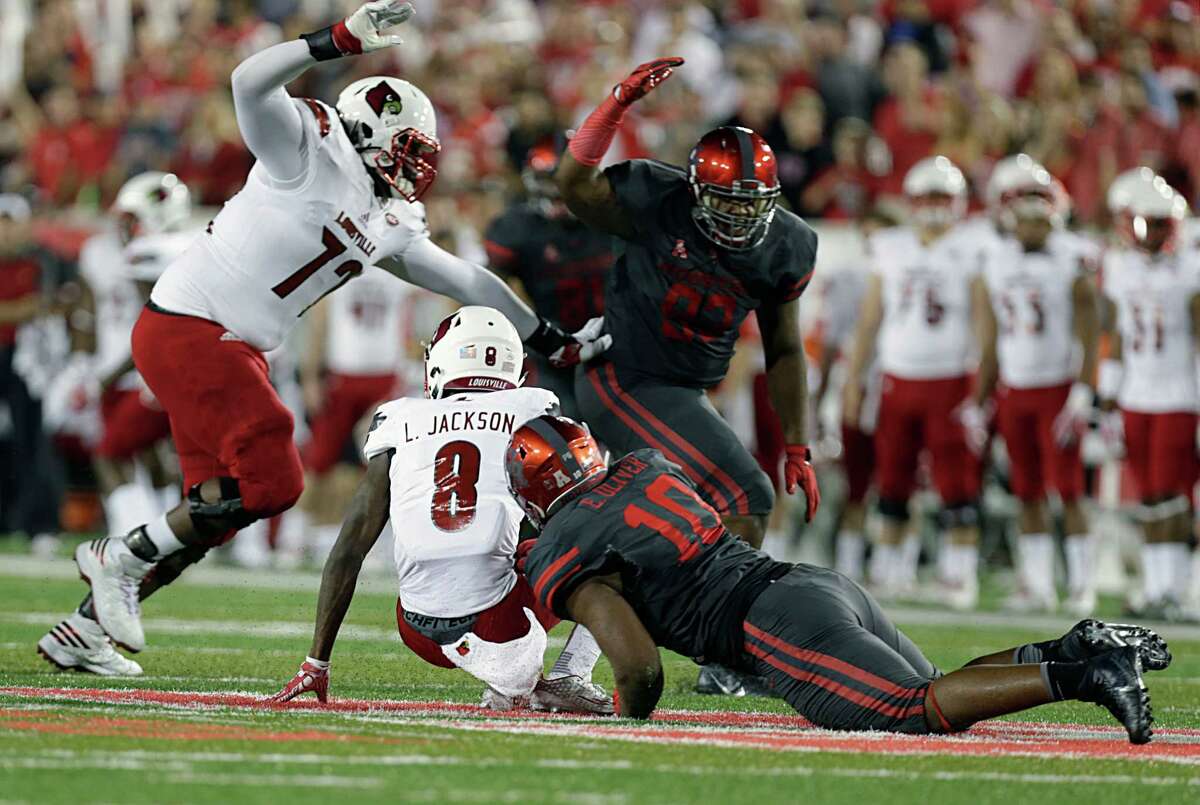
{"x":919,"y":315}
{"x":333,"y":190}
{"x":1042,"y":322}
{"x":437,"y":466}
{"x":1151,"y":289}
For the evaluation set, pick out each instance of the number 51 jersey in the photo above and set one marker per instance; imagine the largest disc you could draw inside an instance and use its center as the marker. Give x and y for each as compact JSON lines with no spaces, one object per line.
{"x":276,"y":247}
{"x":689,"y":580}
{"x":455,"y":521}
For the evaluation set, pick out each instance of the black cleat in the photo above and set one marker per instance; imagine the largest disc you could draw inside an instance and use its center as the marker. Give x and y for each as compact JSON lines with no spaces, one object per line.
{"x":1091,"y":638}
{"x":717,"y":680}
{"x":1113,"y":680}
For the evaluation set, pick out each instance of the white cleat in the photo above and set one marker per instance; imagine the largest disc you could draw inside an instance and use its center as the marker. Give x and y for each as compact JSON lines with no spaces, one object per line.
{"x":1025,"y":602}
{"x":958,"y":596}
{"x":114,"y":574}
{"x":1081,"y":604}
{"x":571,"y":694}
{"x":79,"y":644}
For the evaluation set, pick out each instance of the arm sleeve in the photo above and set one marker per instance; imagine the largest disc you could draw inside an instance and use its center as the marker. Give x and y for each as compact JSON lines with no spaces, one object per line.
{"x":800,"y":262}
{"x":426,"y":264}
{"x":268,"y":119}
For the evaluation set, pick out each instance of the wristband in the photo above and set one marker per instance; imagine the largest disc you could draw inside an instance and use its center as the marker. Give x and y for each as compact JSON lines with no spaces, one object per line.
{"x":802,"y":449}
{"x":1108,"y":379}
{"x":332,"y":42}
{"x":547,"y":339}
{"x":597,"y":132}
{"x":320,"y":665}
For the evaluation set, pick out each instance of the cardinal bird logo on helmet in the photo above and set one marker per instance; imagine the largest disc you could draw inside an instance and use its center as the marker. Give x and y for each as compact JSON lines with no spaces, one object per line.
{"x":384,"y":100}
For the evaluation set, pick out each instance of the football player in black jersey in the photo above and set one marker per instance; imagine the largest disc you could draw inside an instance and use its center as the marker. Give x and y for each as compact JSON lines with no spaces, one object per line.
{"x":560,"y":263}
{"x":634,"y":554}
{"x":703,"y":246}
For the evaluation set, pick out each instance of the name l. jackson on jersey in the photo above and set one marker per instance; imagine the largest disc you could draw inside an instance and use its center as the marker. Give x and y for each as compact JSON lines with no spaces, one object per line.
{"x":501,"y":422}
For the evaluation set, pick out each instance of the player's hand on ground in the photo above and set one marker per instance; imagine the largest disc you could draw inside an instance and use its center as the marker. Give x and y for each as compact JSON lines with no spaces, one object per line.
{"x":798,"y":472}
{"x":644,"y":78}
{"x":367,"y":25}
{"x":974,"y":421}
{"x":1076,"y":413}
{"x":311,"y":677}
{"x":582,"y":346}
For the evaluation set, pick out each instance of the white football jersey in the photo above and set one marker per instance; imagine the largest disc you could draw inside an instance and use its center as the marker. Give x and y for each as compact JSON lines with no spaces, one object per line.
{"x":369,"y":325}
{"x":1153,"y":298}
{"x":275,"y":248}
{"x":117,"y":302}
{"x":1032,"y":296}
{"x":455,"y":521}
{"x":926,"y":330}
{"x":147,"y":257}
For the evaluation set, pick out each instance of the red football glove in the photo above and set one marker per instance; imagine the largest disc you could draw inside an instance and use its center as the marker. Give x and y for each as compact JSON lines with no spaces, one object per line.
{"x":310,"y":677}
{"x":522,"y":555}
{"x":644,"y":78}
{"x":798,"y":471}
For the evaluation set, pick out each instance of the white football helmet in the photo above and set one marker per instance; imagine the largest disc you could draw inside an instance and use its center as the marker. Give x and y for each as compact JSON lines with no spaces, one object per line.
{"x":1152,"y":213}
{"x":1122,"y":187}
{"x":475,"y":348}
{"x":393,"y":127}
{"x":936,"y":192}
{"x":1007,"y":175}
{"x":151,"y":203}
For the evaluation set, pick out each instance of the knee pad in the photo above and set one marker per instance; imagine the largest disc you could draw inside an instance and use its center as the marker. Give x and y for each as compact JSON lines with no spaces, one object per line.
{"x":893,"y":509}
{"x":959,"y":515}
{"x":212,"y":520}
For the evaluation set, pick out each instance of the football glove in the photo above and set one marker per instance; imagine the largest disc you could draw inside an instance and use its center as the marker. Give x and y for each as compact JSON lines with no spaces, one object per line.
{"x":362,"y":31}
{"x":974,"y":421}
{"x":798,"y":472}
{"x":563,"y":350}
{"x":313,"y":676}
{"x":1072,"y":420}
{"x":644,"y":78}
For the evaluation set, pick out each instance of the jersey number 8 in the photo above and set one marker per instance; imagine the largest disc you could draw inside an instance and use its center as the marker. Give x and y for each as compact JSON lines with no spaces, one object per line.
{"x":455,"y":477}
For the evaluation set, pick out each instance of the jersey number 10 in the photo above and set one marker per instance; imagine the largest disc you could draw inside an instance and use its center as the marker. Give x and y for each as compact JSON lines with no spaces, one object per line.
{"x":703,"y":524}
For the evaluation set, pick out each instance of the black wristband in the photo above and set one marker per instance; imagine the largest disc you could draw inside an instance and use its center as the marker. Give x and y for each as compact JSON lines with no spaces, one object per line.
{"x":548,"y":338}
{"x":320,"y":44}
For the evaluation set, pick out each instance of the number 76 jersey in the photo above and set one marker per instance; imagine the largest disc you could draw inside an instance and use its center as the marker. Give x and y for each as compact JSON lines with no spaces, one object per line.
{"x":455,"y":522}
{"x":1153,"y":298}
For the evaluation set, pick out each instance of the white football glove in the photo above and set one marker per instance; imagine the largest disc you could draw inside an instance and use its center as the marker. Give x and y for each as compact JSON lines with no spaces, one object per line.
{"x":587,"y":343}
{"x":974,"y":421}
{"x":1072,"y":420}
{"x":368,"y":23}
{"x":1112,"y":431}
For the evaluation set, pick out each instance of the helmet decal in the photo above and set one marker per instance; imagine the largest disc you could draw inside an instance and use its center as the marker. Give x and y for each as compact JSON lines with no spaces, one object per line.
{"x":384,"y":100}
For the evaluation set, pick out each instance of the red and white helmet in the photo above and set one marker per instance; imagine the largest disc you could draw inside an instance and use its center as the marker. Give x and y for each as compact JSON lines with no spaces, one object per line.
{"x":549,"y":461}
{"x":936,"y":191}
{"x":393,"y":127}
{"x":475,"y":348}
{"x":151,"y":203}
{"x":1148,"y":211}
{"x":735,"y":183}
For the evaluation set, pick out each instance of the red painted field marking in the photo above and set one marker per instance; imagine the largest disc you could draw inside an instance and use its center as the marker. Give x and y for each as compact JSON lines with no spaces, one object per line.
{"x":750,"y":730}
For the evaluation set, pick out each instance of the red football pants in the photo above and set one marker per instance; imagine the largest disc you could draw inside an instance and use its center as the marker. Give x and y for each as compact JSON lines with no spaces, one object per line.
{"x":226,"y":418}
{"x":347,"y":399}
{"x":131,"y":424}
{"x":1025,"y":419}
{"x":1161,"y":451}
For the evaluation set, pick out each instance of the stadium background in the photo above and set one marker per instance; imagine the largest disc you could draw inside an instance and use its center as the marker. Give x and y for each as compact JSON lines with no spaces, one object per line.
{"x":849,"y":94}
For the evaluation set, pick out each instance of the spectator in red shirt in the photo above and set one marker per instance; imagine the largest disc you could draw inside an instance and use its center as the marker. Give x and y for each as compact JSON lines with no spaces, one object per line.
{"x":70,"y":150}
{"x":844,"y":190}
{"x":211,"y":158}
{"x":910,"y":120}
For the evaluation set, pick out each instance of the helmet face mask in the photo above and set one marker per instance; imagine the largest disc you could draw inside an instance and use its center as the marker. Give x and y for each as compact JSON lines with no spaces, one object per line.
{"x":936,"y":193}
{"x":935,"y":210}
{"x":408,"y":166}
{"x":734,"y":186}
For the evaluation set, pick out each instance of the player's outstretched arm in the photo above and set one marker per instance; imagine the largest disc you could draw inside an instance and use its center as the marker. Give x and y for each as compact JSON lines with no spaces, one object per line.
{"x":584,"y":188}
{"x":623,"y":639}
{"x":364,"y":522}
{"x":269,"y":121}
{"x":430,"y":266}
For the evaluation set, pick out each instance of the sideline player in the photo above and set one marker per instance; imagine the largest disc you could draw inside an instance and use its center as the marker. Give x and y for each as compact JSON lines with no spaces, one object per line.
{"x":633,"y":553}
{"x":703,"y":247}
{"x":332,"y":191}
{"x":1151,"y":291}
{"x":1043,"y":323}
{"x":922,"y":304}
{"x":560,"y":263}
{"x":436,"y":465}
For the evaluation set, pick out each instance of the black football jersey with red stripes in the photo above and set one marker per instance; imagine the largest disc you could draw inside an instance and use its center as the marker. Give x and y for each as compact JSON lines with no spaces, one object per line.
{"x":689,"y":580}
{"x":675,"y":301}
{"x":561,"y":263}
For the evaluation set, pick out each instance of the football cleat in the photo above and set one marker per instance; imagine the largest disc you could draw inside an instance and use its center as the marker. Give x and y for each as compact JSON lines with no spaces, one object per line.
{"x":717,"y":680}
{"x":571,"y":694}
{"x":114,"y":574}
{"x":79,"y":644}
{"x":1090,"y":638}
{"x":1113,"y":680}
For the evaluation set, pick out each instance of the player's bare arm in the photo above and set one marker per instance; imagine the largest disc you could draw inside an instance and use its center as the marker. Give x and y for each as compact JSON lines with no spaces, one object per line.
{"x":986,"y":330}
{"x":787,"y":384}
{"x":1085,"y":321}
{"x":637,"y":670}
{"x":870,"y":317}
{"x":313,"y":359}
{"x":365,"y":519}
{"x":584,"y":188}
{"x":1111,"y":369}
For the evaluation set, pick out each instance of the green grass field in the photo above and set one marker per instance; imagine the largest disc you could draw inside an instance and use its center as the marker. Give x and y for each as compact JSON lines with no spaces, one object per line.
{"x":78,"y":738}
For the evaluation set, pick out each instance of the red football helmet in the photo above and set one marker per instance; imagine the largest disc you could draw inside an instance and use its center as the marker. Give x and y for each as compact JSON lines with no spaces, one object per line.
{"x":550,"y":460}
{"x":735,"y":184}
